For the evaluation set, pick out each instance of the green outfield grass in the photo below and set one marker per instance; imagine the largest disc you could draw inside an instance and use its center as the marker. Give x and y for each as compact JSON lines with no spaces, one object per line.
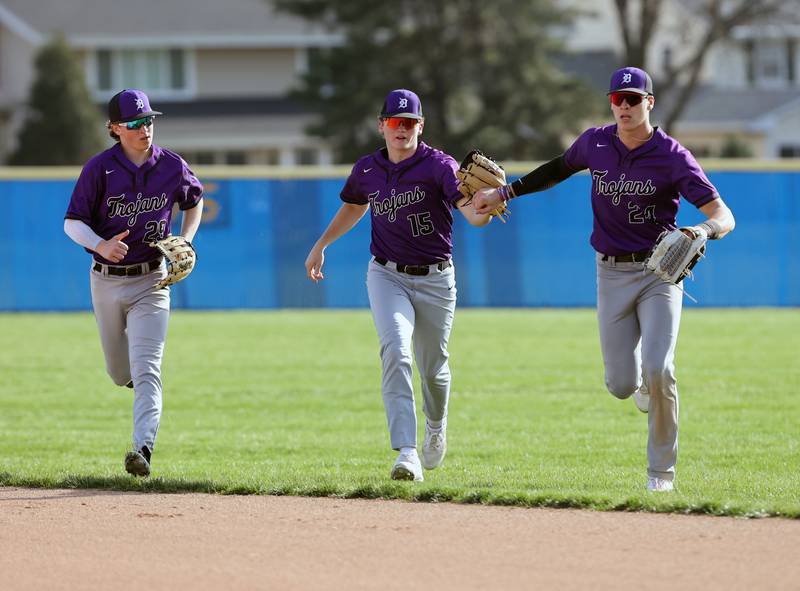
{"x":288,"y":402}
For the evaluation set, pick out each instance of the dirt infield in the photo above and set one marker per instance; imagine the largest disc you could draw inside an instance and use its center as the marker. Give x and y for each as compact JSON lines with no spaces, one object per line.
{"x":89,"y":539}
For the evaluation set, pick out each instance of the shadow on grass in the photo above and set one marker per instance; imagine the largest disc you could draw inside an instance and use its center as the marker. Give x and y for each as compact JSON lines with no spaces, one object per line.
{"x":394,"y":491}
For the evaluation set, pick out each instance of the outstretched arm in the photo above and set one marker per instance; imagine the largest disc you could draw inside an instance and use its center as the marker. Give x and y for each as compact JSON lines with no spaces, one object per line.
{"x":545,"y":176}
{"x":347,"y":217}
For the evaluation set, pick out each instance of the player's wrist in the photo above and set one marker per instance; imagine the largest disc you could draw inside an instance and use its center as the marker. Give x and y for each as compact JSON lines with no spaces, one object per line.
{"x":712,"y":229}
{"x":698,"y":231}
{"x":506,"y":193}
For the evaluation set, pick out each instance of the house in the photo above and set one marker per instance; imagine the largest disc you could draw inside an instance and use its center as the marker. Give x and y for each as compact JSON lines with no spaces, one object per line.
{"x":221,"y":72}
{"x":749,"y":89}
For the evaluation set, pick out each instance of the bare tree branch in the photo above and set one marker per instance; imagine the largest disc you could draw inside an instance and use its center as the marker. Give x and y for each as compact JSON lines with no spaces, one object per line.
{"x":720,"y":18}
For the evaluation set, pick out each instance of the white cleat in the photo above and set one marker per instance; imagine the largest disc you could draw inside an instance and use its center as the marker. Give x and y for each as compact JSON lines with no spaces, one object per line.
{"x":659,"y":485}
{"x":435,"y":447}
{"x":642,"y":398}
{"x":407,"y":467}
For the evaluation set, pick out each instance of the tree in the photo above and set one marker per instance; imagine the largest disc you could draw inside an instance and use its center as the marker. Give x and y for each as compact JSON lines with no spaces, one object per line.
{"x":735,"y":147}
{"x":63,"y":125}
{"x":638,"y":19}
{"x":482,"y":69}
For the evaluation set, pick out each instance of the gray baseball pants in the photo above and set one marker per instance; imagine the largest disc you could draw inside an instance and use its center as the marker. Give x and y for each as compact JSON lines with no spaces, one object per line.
{"x":412,"y":310}
{"x":132,"y":318}
{"x":639,"y":315}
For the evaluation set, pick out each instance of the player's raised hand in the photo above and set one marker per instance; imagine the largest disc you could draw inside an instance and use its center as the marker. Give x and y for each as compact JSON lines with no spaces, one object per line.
{"x":314,"y":262}
{"x":487,"y":200}
{"x":113,"y":249}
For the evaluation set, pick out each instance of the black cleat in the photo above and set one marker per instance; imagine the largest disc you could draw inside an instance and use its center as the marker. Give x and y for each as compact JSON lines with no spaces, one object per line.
{"x":137,"y":463}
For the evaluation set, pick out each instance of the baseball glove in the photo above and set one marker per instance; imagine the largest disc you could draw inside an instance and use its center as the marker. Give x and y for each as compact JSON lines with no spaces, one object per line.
{"x":478,"y":171}
{"x":674,"y":254}
{"x":180,"y":256}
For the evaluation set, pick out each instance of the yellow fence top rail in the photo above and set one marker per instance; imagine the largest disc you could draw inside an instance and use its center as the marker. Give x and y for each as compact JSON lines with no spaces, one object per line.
{"x":342,"y":171}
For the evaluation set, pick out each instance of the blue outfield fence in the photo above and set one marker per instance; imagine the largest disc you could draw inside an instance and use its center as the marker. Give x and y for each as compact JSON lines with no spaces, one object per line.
{"x":259,"y":226}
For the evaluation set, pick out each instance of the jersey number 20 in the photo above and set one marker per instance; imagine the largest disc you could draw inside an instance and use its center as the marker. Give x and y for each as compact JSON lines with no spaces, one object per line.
{"x":154,"y":231}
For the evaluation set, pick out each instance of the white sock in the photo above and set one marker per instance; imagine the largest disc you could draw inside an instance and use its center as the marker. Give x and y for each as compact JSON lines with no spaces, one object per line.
{"x":435,"y":425}
{"x":412,"y":451}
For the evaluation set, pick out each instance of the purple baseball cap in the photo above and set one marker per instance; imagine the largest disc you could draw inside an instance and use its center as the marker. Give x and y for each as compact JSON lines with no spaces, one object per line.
{"x":128,"y":105}
{"x":631,"y":80}
{"x":402,"y":103}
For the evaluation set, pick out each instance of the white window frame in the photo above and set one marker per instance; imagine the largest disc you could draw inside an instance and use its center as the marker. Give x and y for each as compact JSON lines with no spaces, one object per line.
{"x":189,"y":90}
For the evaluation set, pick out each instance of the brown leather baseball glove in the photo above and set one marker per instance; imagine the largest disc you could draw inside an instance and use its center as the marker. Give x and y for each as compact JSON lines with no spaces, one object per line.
{"x":478,"y":171}
{"x":180,"y":256}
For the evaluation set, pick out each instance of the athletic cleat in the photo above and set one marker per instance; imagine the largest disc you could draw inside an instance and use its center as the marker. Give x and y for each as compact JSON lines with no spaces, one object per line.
{"x":642,"y":398}
{"x":435,"y":447}
{"x":407,"y":467}
{"x":659,"y":485}
{"x":137,"y":463}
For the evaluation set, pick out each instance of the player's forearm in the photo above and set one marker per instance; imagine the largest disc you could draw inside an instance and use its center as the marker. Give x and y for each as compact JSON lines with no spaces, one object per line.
{"x":191,"y":221}
{"x":82,"y":234}
{"x":347,"y":217}
{"x":544,"y":177}
{"x":474,"y":218}
{"x":720,"y":219}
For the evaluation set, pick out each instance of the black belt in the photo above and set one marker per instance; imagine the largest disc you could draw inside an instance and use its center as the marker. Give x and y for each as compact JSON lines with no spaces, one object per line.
{"x":416,"y":269}
{"x":130,"y":270}
{"x":632,"y":257}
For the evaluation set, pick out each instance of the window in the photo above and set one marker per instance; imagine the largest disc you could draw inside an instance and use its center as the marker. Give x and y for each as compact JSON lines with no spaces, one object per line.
{"x":306,"y":156}
{"x":770,"y":64}
{"x":200,"y":158}
{"x":235,"y":158}
{"x":789,"y":151}
{"x":160,"y":71}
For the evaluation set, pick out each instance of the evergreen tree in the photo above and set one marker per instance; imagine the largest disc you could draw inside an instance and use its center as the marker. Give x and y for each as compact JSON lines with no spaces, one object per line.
{"x":63,"y":125}
{"x":482,"y":69}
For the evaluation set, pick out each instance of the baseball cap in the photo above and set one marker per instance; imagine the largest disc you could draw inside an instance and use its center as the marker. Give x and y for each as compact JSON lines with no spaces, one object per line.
{"x":128,"y":105}
{"x":631,"y":80}
{"x":402,"y":103}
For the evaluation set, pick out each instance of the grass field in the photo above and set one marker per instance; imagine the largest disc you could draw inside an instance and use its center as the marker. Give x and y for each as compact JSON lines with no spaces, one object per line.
{"x":288,"y":402}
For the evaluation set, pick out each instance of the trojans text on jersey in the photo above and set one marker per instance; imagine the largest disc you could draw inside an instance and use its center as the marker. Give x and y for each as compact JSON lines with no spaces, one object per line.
{"x":394,"y":202}
{"x":623,"y":186}
{"x":132,"y":209}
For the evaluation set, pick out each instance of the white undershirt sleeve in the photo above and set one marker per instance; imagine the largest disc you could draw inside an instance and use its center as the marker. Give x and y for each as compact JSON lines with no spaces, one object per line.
{"x":81,"y":233}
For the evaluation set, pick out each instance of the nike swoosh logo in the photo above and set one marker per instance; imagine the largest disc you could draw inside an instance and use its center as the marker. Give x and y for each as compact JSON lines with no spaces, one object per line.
{"x":602,"y":145}
{"x":109,"y":171}
{"x":367,"y":169}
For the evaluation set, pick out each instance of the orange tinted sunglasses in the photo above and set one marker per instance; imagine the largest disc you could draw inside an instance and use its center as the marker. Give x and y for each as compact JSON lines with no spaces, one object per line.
{"x":395,"y":122}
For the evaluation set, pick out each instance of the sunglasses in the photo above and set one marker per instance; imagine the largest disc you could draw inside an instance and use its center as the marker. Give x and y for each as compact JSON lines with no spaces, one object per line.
{"x":138,"y":123}
{"x":631,"y":98}
{"x":395,"y":122}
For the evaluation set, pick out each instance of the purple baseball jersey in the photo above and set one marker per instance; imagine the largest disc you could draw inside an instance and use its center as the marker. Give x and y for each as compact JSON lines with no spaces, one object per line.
{"x":636,"y":193}
{"x":411,"y":203}
{"x":113,"y":195}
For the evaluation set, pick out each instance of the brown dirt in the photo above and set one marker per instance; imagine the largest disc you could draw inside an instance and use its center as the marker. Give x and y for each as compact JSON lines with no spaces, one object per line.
{"x":88,"y":539}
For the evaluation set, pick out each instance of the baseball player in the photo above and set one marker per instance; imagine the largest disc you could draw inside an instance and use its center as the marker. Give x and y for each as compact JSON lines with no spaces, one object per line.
{"x":121,"y":204}
{"x":638,"y":175}
{"x":411,"y":190}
